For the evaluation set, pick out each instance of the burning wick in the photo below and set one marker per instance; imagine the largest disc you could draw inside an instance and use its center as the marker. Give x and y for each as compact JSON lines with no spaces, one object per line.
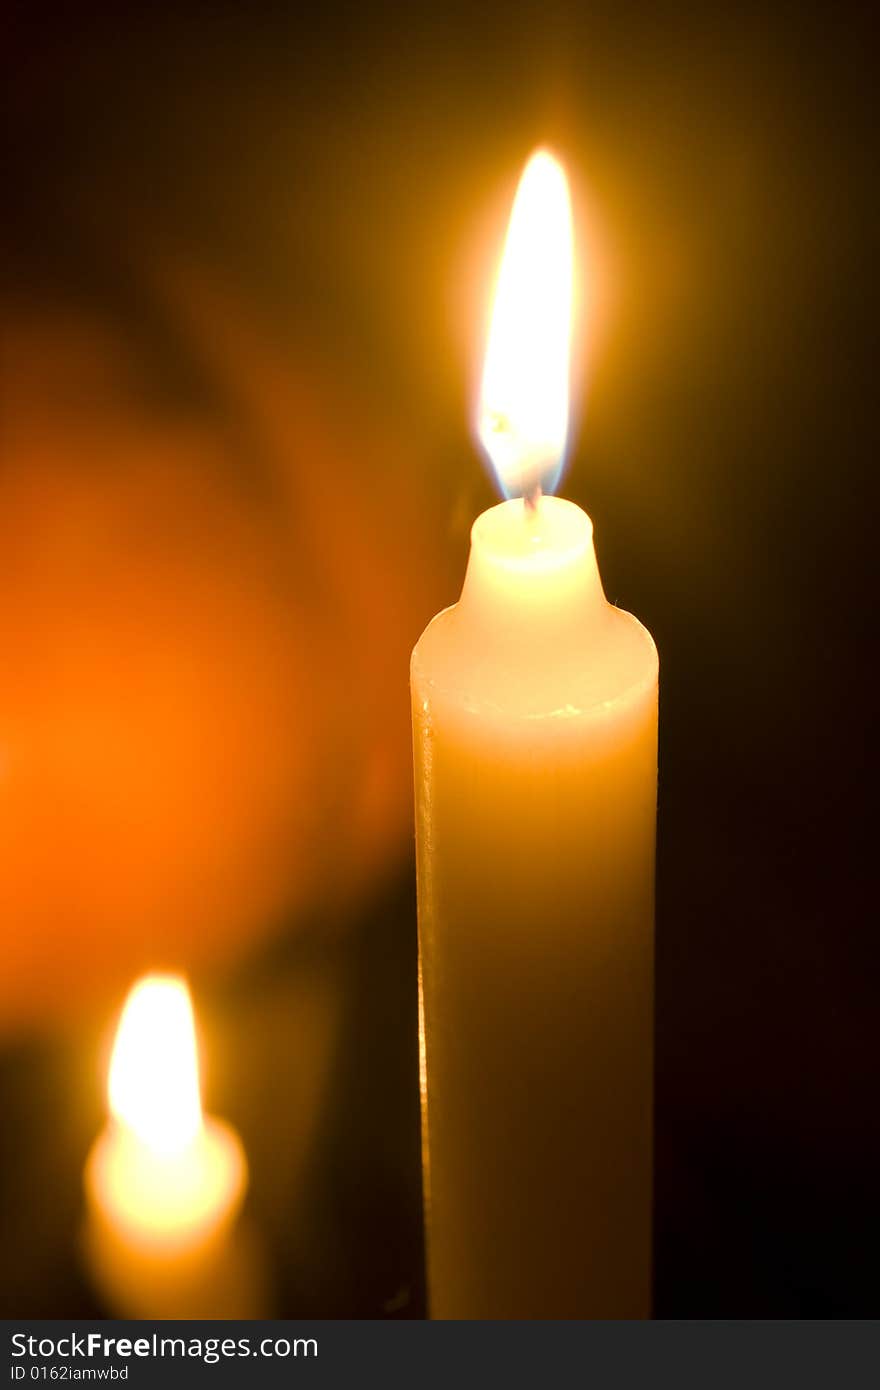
{"x":522,"y":412}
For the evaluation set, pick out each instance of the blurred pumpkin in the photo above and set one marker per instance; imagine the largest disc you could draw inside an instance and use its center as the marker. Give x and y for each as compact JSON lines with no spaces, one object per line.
{"x":205,"y":622}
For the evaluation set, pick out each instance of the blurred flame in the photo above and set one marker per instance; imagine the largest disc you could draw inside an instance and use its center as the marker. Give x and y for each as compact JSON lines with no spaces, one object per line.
{"x":523,"y":410}
{"x":153,"y":1085}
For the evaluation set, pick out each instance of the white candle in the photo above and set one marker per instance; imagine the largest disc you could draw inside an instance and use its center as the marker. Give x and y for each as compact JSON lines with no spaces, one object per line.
{"x":535,"y":727}
{"x":163,"y":1182}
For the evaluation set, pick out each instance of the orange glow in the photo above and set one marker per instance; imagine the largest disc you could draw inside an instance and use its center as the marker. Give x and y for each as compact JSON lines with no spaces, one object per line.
{"x":178,"y":658}
{"x":524,"y":400}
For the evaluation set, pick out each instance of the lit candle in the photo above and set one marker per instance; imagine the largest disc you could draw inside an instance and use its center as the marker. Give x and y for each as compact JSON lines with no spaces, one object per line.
{"x":164,"y":1183}
{"x":535,"y":733}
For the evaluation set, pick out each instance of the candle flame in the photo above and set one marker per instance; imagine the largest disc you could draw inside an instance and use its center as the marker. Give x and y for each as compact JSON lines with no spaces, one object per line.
{"x":523,"y":410}
{"x":153,"y":1085}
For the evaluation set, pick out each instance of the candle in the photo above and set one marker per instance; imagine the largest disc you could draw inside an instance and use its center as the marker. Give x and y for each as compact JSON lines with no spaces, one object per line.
{"x":164,"y":1183}
{"x":535,"y":735}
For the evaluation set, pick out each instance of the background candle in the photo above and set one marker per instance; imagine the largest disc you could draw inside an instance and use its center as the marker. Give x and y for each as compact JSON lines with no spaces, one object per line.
{"x":164,"y":1183}
{"x":535,"y":722}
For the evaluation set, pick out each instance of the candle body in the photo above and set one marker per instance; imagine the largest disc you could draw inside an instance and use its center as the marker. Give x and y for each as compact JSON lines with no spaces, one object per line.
{"x":535,"y":732}
{"x":162,"y":1238}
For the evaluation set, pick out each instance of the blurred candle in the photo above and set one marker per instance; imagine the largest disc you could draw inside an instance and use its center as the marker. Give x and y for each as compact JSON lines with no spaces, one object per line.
{"x":535,"y":732}
{"x":163,"y":1182}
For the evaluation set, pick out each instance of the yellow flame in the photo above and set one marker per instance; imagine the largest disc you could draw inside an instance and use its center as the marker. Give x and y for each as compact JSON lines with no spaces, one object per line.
{"x":153,"y":1085}
{"x":523,"y":411}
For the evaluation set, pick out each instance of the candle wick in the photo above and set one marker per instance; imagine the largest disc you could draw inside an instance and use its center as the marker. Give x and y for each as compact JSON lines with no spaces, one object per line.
{"x":531,"y":498}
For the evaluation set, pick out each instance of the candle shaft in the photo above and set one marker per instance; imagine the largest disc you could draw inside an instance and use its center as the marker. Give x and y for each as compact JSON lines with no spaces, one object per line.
{"x":535,"y":731}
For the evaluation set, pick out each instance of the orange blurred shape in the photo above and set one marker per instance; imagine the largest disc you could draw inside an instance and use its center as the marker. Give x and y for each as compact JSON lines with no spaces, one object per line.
{"x":203,"y":710}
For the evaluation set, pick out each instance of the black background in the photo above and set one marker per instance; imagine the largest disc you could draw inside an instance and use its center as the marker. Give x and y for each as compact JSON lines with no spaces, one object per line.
{"x":726,"y":453}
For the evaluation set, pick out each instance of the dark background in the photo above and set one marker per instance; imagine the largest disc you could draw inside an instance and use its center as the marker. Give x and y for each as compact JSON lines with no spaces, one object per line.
{"x":337,"y":165}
